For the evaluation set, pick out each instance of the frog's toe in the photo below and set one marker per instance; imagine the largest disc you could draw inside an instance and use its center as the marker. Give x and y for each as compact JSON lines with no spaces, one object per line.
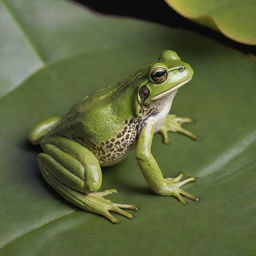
{"x":187,"y":133}
{"x":180,"y":194}
{"x":188,"y":195}
{"x":104,"y":206}
{"x":183,"y":182}
{"x":164,"y":133}
{"x":106,"y":192}
{"x":127,"y":206}
{"x":175,"y":184}
{"x":176,"y":179}
{"x":184,"y":120}
{"x":121,"y":212}
{"x":180,"y":198}
{"x":117,"y":208}
{"x":110,"y":217}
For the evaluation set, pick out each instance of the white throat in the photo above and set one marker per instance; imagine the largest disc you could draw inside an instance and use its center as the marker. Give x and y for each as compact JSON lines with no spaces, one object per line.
{"x":160,"y":117}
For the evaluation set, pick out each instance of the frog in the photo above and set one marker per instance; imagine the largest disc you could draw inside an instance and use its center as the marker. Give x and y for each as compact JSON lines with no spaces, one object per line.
{"x":102,"y":128}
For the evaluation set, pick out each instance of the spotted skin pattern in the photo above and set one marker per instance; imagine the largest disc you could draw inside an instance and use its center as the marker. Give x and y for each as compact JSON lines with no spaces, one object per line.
{"x":115,"y":149}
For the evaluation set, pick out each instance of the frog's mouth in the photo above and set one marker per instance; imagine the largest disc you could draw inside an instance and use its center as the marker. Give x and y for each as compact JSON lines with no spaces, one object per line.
{"x":170,"y":90}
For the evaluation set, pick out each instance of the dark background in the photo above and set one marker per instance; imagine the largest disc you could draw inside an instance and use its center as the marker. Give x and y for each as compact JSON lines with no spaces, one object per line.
{"x":159,"y":12}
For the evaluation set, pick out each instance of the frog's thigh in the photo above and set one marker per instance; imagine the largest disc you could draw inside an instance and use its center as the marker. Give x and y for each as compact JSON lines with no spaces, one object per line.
{"x":71,"y":164}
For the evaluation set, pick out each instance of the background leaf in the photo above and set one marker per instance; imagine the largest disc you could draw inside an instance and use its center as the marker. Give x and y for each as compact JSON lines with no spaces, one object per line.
{"x":233,"y":18}
{"x":53,"y":53}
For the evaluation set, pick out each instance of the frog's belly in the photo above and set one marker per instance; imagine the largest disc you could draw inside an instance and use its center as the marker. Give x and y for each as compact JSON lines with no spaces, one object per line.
{"x":114,"y":150}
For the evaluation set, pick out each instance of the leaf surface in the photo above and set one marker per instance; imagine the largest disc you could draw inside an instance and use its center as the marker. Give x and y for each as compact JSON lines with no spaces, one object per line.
{"x":52,"y":54}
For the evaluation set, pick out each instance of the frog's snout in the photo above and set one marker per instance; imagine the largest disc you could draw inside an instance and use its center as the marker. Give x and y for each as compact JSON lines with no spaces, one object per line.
{"x":189,"y":70}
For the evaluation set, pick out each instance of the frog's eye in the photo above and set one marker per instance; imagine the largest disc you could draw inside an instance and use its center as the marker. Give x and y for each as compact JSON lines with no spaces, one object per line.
{"x":159,"y":75}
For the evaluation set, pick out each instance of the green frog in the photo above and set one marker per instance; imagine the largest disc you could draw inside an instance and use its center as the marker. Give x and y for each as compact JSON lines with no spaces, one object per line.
{"x":101,"y":130}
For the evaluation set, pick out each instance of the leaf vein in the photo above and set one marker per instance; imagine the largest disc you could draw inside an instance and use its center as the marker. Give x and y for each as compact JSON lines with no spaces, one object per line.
{"x":23,"y":31}
{"x":13,"y":240}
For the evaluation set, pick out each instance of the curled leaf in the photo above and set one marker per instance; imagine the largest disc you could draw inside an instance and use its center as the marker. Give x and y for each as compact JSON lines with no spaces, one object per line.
{"x":234,"y":18}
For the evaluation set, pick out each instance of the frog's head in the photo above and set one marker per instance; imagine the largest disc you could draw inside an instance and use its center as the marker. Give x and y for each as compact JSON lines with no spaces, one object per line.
{"x":163,"y":78}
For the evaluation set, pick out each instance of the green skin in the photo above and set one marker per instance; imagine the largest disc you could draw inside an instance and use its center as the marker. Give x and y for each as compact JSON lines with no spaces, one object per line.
{"x":101,"y":130}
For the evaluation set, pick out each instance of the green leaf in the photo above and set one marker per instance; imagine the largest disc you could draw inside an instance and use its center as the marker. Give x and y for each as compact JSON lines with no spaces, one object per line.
{"x":52,"y":54}
{"x":234,"y":18}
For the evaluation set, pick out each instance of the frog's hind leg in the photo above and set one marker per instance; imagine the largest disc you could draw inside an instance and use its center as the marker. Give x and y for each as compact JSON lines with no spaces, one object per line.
{"x":74,"y":172}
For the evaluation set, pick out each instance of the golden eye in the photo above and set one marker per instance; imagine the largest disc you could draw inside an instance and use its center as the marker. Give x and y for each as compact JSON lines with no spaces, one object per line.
{"x":159,"y":75}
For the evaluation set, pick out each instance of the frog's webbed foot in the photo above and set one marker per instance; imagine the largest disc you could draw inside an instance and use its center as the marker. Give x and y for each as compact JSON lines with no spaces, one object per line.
{"x":104,"y":206}
{"x":173,"y":188}
{"x":173,"y":123}
{"x":92,"y":202}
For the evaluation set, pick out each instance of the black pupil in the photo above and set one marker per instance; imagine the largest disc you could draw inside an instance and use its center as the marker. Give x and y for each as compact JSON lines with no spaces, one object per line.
{"x":159,"y":74}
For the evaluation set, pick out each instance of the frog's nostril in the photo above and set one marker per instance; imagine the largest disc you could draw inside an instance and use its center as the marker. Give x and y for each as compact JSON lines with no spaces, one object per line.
{"x":181,"y":69}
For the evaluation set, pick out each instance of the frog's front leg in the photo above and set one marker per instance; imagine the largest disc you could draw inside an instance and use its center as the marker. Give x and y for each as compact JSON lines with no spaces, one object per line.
{"x":172,"y":123}
{"x":74,"y":172}
{"x":152,"y":172}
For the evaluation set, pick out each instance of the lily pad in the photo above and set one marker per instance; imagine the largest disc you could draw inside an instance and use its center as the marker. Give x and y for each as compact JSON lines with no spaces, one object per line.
{"x":234,"y":18}
{"x":52,"y":53}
